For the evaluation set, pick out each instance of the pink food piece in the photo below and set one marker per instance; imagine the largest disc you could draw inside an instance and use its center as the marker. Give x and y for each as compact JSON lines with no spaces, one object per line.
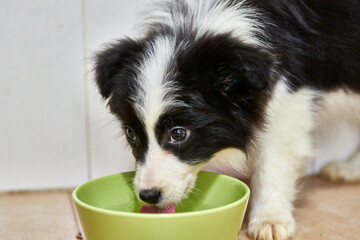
{"x":146,"y":209}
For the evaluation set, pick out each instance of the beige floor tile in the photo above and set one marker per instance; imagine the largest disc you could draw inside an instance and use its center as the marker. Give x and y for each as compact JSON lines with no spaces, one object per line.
{"x":328,"y":210}
{"x":36,"y":215}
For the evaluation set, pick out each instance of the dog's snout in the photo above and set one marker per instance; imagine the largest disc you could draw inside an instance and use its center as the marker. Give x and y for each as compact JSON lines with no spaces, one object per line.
{"x":150,"y":195}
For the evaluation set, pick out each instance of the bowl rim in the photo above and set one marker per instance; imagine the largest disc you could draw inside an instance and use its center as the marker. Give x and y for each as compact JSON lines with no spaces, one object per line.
{"x":241,"y":200}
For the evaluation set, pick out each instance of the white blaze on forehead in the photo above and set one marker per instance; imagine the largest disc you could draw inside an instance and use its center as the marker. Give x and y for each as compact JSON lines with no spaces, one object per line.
{"x":156,"y":91}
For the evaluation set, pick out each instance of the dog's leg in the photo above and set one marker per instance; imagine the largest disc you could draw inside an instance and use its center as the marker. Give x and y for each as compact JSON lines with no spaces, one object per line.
{"x":284,"y":147}
{"x":345,"y":171}
{"x":344,"y":107}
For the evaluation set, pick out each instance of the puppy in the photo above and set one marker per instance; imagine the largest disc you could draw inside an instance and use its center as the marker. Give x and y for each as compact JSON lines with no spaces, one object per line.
{"x":242,"y":85}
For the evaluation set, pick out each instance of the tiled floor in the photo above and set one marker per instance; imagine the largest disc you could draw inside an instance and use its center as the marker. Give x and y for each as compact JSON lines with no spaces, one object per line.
{"x":325,"y":210}
{"x":41,"y":215}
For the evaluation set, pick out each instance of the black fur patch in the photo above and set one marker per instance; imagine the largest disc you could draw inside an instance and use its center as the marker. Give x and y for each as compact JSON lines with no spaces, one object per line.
{"x":116,"y":63}
{"x":317,"y":43}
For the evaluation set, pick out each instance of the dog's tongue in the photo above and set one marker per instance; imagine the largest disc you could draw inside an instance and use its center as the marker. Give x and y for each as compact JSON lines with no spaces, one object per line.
{"x":145,"y":209}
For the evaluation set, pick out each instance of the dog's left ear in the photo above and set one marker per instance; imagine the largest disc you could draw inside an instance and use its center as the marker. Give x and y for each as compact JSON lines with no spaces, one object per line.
{"x":114,"y":60}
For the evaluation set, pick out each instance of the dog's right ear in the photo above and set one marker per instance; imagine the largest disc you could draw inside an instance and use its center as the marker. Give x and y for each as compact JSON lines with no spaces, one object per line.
{"x":115,"y":59}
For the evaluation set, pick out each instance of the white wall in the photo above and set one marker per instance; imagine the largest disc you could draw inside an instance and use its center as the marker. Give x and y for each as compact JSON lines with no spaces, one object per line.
{"x":55,"y":131}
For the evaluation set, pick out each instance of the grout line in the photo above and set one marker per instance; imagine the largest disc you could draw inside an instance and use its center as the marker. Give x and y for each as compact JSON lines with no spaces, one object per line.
{"x":86,"y":90}
{"x":35,"y":191}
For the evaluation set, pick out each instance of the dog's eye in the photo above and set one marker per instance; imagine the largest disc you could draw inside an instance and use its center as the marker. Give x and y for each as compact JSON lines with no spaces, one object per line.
{"x":178,"y":134}
{"x":130,"y":134}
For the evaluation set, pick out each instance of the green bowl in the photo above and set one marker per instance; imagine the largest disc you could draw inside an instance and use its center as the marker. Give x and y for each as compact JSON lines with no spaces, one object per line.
{"x":109,"y":210}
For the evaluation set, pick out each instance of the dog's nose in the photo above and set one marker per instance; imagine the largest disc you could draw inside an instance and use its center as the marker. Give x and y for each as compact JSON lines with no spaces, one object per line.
{"x":150,"y":195}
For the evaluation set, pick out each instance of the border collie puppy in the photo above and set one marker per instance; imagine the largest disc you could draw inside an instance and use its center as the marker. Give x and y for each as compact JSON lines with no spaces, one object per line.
{"x":242,"y":85}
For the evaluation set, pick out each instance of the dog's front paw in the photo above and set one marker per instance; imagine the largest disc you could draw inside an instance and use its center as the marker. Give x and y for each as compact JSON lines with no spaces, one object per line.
{"x":272,"y":229}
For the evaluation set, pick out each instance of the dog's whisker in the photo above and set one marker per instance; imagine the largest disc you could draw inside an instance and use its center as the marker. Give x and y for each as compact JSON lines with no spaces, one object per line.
{"x":197,"y":191}
{"x":102,"y":128}
{"x":185,"y":196}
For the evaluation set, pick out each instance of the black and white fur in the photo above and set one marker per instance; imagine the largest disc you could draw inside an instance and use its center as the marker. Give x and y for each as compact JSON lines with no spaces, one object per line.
{"x":250,"y":82}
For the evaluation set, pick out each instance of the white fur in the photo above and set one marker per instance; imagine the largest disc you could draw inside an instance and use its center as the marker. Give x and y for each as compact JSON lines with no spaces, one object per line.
{"x":283,"y":149}
{"x":208,"y":17}
{"x":340,"y":111}
{"x":230,"y":161}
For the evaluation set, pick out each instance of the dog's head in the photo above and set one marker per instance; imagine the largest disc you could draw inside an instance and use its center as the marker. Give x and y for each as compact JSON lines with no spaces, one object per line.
{"x":181,"y":101}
